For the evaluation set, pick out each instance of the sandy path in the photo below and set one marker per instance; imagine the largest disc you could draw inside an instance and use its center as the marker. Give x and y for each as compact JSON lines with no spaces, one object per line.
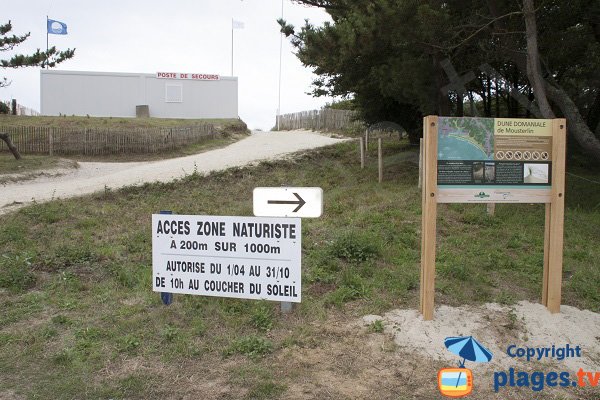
{"x":95,"y":176}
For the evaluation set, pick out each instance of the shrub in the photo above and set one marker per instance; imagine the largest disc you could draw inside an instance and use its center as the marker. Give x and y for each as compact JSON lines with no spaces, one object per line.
{"x":251,"y":346}
{"x":355,"y":247}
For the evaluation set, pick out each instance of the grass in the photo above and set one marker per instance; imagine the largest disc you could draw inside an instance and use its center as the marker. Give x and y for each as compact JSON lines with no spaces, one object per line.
{"x":79,"y":319}
{"x":231,"y":130}
{"x":206,"y":145}
{"x":9,"y":165}
{"x":108,"y":122}
{"x":252,"y":346}
{"x":376,"y":326}
{"x":32,"y":165}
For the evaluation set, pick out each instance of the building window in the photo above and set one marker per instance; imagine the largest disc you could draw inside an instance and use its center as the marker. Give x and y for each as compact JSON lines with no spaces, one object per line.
{"x":173,"y":93}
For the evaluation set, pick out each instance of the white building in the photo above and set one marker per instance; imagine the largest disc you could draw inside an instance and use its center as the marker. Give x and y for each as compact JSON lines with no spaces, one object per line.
{"x":113,"y":94}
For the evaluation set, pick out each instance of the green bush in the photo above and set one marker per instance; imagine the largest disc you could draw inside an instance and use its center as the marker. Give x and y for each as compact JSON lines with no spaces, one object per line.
{"x":251,"y":346}
{"x":355,"y":247}
{"x":262,"y":318}
{"x":376,"y":326}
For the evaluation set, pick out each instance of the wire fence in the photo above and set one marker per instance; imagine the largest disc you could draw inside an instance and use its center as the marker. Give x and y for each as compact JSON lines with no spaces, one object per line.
{"x":321,"y":120}
{"x":104,"y":141}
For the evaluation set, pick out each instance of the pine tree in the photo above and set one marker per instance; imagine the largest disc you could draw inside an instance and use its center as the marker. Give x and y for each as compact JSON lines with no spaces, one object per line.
{"x":48,"y":58}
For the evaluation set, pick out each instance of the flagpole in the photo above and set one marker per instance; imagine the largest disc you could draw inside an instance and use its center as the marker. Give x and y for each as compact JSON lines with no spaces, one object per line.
{"x":46,"y":63}
{"x":280,"y":50}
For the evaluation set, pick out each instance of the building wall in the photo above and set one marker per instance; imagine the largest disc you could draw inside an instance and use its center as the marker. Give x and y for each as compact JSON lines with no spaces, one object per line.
{"x":102,"y":94}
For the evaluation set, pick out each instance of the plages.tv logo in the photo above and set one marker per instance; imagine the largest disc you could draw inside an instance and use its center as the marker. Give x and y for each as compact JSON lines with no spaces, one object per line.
{"x":458,"y":382}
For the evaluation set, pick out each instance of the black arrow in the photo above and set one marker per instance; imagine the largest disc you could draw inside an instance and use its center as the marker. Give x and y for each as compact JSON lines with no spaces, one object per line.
{"x":300,"y":202}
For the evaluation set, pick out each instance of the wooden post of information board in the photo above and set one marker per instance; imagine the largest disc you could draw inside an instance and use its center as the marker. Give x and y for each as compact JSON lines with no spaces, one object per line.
{"x":555,"y":216}
{"x":429,"y":216}
{"x":420,"y":184}
{"x":554,"y":220}
{"x":546,"y":255}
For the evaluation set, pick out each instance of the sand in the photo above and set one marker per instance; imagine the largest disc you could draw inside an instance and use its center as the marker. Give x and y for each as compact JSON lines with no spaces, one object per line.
{"x":91,"y":177}
{"x":524,"y":324}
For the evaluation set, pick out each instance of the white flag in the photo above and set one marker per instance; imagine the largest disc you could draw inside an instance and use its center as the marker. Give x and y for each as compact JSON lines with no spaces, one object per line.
{"x":237,"y":24}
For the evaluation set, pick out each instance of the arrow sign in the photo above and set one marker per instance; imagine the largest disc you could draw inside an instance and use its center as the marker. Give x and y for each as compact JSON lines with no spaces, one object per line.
{"x":279,"y":202}
{"x":300,"y":202}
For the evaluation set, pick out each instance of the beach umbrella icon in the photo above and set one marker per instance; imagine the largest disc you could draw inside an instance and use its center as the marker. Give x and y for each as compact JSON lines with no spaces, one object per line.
{"x":469,"y":349}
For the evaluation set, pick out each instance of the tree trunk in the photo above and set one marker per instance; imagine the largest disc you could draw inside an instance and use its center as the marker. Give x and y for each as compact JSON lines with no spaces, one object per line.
{"x":11,"y":146}
{"x":472,"y":109}
{"x":577,"y":126}
{"x":534,"y":70}
{"x":515,"y":89}
{"x":443,"y":103}
{"x":509,"y":99}
{"x":497,"y":97}
{"x":575,"y":123}
{"x":593,"y":117}
{"x":488,"y":109}
{"x":530,"y":104}
{"x":483,"y":95}
{"x":460,"y":105}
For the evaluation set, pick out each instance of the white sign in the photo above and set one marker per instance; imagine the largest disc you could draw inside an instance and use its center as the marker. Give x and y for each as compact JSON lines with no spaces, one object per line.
{"x":187,"y":75}
{"x":306,"y":202}
{"x":240,"y":257}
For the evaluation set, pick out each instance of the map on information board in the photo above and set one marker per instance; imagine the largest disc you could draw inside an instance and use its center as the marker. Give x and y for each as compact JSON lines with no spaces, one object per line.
{"x":508,"y":155}
{"x":466,"y":139}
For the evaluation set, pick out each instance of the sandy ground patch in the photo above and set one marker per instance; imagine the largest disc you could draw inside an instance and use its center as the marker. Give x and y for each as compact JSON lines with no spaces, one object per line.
{"x":344,"y":359}
{"x":91,"y":177}
{"x":63,"y":167}
{"x":524,"y":325}
{"x":532,"y":326}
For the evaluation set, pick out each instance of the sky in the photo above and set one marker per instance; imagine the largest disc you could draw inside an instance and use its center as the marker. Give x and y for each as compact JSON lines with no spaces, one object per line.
{"x":176,"y":36}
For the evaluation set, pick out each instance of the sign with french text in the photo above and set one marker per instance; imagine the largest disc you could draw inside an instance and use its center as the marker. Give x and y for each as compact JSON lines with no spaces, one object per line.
{"x":187,"y":75}
{"x":226,"y":256}
{"x":500,"y":160}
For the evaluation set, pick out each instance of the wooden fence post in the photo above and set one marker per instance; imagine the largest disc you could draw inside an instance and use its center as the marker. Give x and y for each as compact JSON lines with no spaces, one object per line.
{"x":85,"y":141}
{"x":380,"y":159}
{"x":50,"y":142}
{"x":362,"y":153}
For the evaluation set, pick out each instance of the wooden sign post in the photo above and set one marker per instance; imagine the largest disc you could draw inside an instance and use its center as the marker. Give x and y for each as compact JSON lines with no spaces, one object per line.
{"x":494,"y":160}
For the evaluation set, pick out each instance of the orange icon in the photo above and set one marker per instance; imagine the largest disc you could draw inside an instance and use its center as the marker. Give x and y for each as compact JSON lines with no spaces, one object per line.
{"x":455,"y":382}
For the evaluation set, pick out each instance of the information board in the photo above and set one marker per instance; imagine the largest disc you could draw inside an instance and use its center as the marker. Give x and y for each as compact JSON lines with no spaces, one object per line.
{"x":499,"y":160}
{"x":225,"y":256}
{"x":486,"y":160}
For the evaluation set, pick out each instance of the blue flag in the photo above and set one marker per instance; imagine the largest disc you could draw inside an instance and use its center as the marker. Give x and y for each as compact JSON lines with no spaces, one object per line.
{"x":57,"y":27}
